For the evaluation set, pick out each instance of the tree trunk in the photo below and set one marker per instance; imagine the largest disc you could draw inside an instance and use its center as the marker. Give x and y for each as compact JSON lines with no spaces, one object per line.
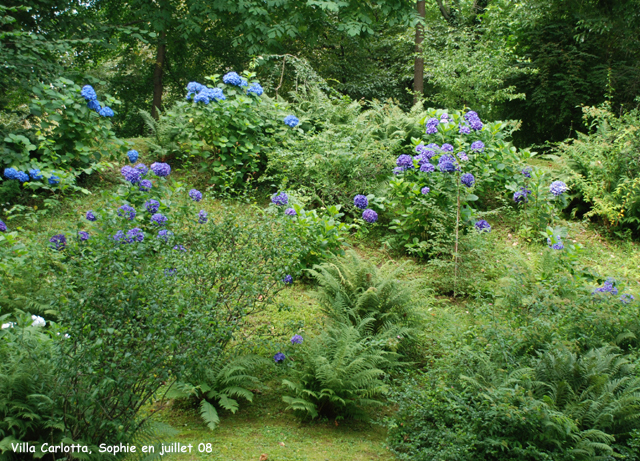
{"x":418,"y":66}
{"x":158,"y":87}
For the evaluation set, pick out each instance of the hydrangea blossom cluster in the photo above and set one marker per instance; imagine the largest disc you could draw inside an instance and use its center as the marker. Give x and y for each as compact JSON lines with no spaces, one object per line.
{"x":164,"y":235}
{"x":232,"y":78}
{"x":35,"y":174}
{"x":464,"y":129}
{"x":296,"y":339}
{"x":558,"y":188}
{"x":37,"y":321}
{"x":83,"y":236}
{"x":133,"y":155}
{"x":53,"y":179}
{"x":203,"y":217}
{"x":473,"y":120}
{"x":477,"y":146}
{"x":427,"y":168}
{"x":3,"y":226}
{"x":145,"y":185}
{"x":446,"y":147}
{"x":206,"y":95}
{"x":463,"y":156}
{"x":142,"y":168}
{"x":608,"y":287}
{"x":467,"y":179}
{"x":89,"y":94}
{"x":291,"y":120}
{"x":425,"y":190}
{"x":290,"y":212}
{"x":432,"y":125}
{"x":180,"y":248}
{"x":255,"y":88}
{"x":280,"y":199}
{"x":90,"y":216}
{"x":483,"y":226}
{"x":626,"y":298}
{"x":159,"y":219}
{"x":279,"y":357}
{"x":152,"y":206}
{"x":59,"y":242}
{"x":287,"y":279}
{"x":130,"y":174}
{"x":444,"y":118}
{"x":447,"y":163}
{"x":127,"y":211}
{"x":405,"y":161}
{"x":106,"y":112}
{"x":360,"y":201}
{"x":194,"y":88}
{"x":526,"y":171}
{"x":522,"y":195}
{"x":369,"y":216}
{"x":555,"y":242}
{"x":161,"y":169}
{"x":135,"y":235}
{"x":195,"y":195}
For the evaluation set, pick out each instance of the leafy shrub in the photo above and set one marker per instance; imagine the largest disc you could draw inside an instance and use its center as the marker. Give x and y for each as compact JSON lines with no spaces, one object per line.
{"x":562,"y":407}
{"x":604,"y":166}
{"x":339,"y":374}
{"x":353,"y":289}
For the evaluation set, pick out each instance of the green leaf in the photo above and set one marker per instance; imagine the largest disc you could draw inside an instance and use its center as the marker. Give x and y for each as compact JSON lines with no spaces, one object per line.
{"x":209,"y":414}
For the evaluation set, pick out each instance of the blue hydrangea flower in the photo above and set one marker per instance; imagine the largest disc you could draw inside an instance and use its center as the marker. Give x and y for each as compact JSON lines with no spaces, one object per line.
{"x":119,"y":237}
{"x":558,"y":188}
{"x":145,"y":185}
{"x":290,"y":212}
{"x":256,"y":89}
{"x":143,"y":169}
{"x":477,"y":146}
{"x":433,"y":146}
{"x":11,"y":173}
{"x":446,"y":163}
{"x":280,"y":199}
{"x":135,"y":235}
{"x":463,"y":156}
{"x":53,"y":179}
{"x":83,"y":236}
{"x":130,"y":174}
{"x":522,"y":195}
{"x":203,"y":217}
{"x":179,"y":248}
{"x":159,"y":219}
{"x":608,"y":287}
{"x":279,"y":357}
{"x":195,"y":195}
{"x":106,"y":112}
{"x":22,"y":176}
{"x":164,"y":235}
{"x":447,"y":147}
{"x":444,"y":118}
{"x":201,"y":97}
{"x":427,"y":168}
{"x":360,"y":201}
{"x":483,"y":226}
{"x":527,"y":171}
{"x":127,"y":211}
{"x":3,"y":226}
{"x":287,"y":279}
{"x":555,"y":242}
{"x":193,"y":88}
{"x":432,"y":126}
{"x":90,"y":216}
{"x":405,"y":161}
{"x":369,"y":216}
{"x":232,"y":78}
{"x":59,"y":242}
{"x":463,"y":129}
{"x":296,"y":339}
{"x":152,"y":206}
{"x":133,"y":155}
{"x":398,"y":170}
{"x":473,"y":120}
{"x":88,"y":93}
{"x":94,"y":105}
{"x":467,"y":179}
{"x":425,"y":190}
{"x":161,"y":169}
{"x":35,"y":174}
{"x":210,"y":94}
{"x":626,"y":298}
{"x":243,"y":82}
{"x":291,"y":120}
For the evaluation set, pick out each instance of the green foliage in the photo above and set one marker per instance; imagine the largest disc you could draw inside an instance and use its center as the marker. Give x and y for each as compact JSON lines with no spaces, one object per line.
{"x":352,"y":289}
{"x":340,"y":373}
{"x":604,"y":167}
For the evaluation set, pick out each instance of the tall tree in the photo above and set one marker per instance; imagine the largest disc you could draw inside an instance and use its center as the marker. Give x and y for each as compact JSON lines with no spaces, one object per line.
{"x":418,"y":66}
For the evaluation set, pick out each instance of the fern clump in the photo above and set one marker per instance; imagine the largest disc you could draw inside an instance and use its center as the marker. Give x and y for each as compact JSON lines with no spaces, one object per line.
{"x":340,"y":373}
{"x":353,"y":289}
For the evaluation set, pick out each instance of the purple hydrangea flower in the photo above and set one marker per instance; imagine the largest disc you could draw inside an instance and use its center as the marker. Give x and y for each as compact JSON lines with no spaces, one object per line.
{"x":558,"y":188}
{"x":161,"y":169}
{"x":608,"y":287}
{"x":119,"y":237}
{"x":427,"y":168}
{"x":398,"y":170}
{"x":626,"y":298}
{"x":203,"y":217}
{"x":287,"y":279}
{"x":133,"y":155}
{"x":425,"y":190}
{"x":447,"y":147}
{"x":179,"y":248}
{"x":130,"y":174}
{"x":143,"y":169}
{"x":159,"y":219}
{"x":135,"y":235}
{"x":432,"y":145}
{"x":432,"y":125}
{"x":290,"y":212}
{"x":164,"y":235}
{"x":483,"y":226}
{"x":88,"y":93}
{"x":296,"y":339}
{"x":369,"y":216}
{"x":279,"y":357}
{"x":280,"y":199}
{"x":170,"y":272}
{"x":59,"y":242}
{"x":477,"y":146}
{"x":291,"y":120}
{"x":195,"y":195}
{"x":145,"y":185}
{"x":463,"y":129}
{"x":473,"y":120}
{"x":555,"y":243}
{"x":405,"y":161}
{"x":360,"y":201}
{"x":152,"y":206}
{"x":106,"y":112}
{"x":527,"y":171}
{"x":522,"y":195}
{"x":444,"y":117}
{"x":127,"y":211}
{"x":467,"y":179}
{"x":463,"y":156}
{"x":83,"y":236}
{"x":90,"y":216}
{"x":3,"y":226}
{"x":446,"y":163}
